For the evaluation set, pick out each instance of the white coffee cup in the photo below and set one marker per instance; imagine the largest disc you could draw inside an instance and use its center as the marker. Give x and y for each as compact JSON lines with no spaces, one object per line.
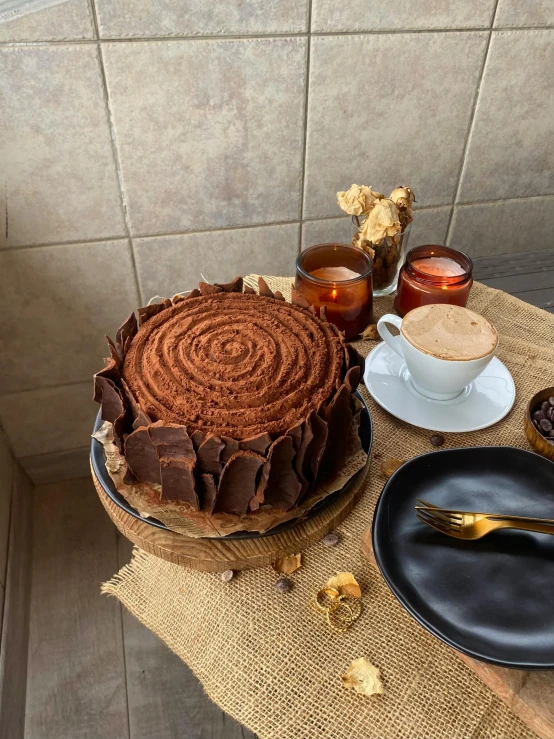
{"x":439,"y":379}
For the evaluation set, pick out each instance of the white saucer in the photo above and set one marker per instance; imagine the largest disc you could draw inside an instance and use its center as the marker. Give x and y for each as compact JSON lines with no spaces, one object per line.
{"x":483,"y":403}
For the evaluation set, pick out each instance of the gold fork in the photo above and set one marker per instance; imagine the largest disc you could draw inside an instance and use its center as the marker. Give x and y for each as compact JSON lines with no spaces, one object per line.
{"x":468,"y":525}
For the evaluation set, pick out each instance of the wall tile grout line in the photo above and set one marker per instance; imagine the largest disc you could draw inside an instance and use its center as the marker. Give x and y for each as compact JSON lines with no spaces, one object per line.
{"x":470,"y":125}
{"x":47,"y":387}
{"x":115,"y":151}
{"x":305,"y":132}
{"x":254,"y":36}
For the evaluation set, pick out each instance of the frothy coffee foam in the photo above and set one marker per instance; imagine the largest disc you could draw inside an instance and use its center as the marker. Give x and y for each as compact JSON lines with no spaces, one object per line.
{"x":449,"y":332}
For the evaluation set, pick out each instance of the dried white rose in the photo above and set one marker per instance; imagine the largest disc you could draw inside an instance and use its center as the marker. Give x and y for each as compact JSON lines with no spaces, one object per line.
{"x":358,"y":200}
{"x":382,"y":221}
{"x":403,"y":197}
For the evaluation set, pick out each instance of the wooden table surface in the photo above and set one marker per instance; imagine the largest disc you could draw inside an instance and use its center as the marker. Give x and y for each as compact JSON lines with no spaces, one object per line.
{"x":94,"y":672}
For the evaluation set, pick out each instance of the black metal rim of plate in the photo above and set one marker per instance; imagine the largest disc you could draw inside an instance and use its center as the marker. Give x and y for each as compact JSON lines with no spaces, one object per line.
{"x":488,"y":598}
{"x":99,"y":466}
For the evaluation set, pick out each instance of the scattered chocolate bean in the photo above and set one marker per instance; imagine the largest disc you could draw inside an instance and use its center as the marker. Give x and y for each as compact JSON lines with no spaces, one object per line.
{"x":545,"y":425}
{"x":550,"y":413}
{"x":227,"y":576}
{"x":538,"y":415}
{"x":283,"y":585}
{"x":331,"y":540}
{"x":545,"y":405}
{"x":437,"y":440}
{"x":551,"y":400}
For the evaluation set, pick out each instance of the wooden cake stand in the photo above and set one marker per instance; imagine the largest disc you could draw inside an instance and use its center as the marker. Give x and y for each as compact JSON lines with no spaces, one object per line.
{"x":218,"y":555}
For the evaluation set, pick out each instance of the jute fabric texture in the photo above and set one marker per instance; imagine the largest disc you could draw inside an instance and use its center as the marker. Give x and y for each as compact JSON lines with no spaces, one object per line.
{"x":269,"y":660}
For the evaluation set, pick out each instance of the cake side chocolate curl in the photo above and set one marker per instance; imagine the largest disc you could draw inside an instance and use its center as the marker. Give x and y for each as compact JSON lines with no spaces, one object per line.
{"x":125,"y":334}
{"x":356,"y":359}
{"x":141,"y":456}
{"x":177,"y":462}
{"x":110,"y":372}
{"x":279,"y":486}
{"x":237,"y":485}
{"x":264,"y":289}
{"x":339,"y":419}
{"x":112,"y":407}
{"x":235,"y":286}
{"x":209,"y":455}
{"x":209,"y":492}
{"x":259,"y":444}
{"x":352,"y":378}
{"x":149,"y":311}
{"x":315,"y":450}
{"x":207,"y":289}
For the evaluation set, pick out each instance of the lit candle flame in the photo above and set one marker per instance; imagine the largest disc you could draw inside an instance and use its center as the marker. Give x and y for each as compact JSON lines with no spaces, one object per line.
{"x":334,"y":294}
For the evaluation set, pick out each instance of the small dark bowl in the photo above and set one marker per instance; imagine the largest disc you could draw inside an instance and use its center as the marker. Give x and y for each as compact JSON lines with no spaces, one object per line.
{"x":537,"y":440}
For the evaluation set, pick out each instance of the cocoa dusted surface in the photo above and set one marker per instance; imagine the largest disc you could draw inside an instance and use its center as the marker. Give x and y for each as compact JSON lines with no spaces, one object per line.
{"x":233,"y":364}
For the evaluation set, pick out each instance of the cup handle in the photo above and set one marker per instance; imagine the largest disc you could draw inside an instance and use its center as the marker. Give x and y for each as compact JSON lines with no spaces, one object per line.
{"x":386,"y":335}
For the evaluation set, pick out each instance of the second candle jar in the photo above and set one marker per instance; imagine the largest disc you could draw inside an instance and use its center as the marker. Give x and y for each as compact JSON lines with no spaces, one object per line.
{"x":433,"y":274}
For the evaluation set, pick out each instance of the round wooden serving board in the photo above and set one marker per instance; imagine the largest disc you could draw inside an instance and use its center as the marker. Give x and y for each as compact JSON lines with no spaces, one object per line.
{"x":218,"y":555}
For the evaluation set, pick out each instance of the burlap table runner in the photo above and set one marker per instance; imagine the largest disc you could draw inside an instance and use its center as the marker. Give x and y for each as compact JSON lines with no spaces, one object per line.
{"x":268,"y":659}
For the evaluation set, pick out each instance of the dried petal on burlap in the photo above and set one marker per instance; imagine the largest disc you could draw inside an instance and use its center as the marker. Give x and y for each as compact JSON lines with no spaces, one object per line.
{"x":288,"y":565}
{"x":345,"y":583}
{"x":363,"y":677}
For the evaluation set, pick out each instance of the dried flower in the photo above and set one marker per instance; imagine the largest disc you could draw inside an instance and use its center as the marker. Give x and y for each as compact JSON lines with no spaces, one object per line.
{"x":382,"y":221}
{"x":288,"y":565}
{"x":362,"y":244}
{"x":363,"y":677}
{"x":345,"y":583}
{"x":403,"y":197}
{"x":370,"y":333}
{"x":389,"y":466}
{"x":358,"y":200}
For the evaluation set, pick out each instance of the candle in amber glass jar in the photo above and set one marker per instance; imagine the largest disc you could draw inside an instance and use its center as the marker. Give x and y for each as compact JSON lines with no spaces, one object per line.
{"x":433,"y":274}
{"x":337,"y":276}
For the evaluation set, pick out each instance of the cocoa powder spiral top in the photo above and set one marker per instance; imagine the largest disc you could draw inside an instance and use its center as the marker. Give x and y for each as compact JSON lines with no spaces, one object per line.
{"x":233,"y":364}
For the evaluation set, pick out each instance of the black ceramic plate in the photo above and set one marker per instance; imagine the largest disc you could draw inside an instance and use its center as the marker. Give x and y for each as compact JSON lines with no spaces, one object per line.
{"x":493,"y":598}
{"x":99,"y":466}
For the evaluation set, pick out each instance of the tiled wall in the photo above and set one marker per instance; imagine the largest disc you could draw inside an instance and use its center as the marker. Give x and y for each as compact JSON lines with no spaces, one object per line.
{"x":146,"y":141}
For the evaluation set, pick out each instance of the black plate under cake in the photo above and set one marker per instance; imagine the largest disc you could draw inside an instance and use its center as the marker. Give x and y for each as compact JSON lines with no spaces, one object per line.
{"x":492,"y":598}
{"x":99,"y":466}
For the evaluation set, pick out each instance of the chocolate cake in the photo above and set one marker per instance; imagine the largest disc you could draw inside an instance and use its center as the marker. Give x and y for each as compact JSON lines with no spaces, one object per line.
{"x":228,"y":401}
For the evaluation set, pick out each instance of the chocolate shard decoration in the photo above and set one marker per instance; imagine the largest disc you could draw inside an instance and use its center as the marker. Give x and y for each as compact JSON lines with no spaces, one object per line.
{"x":237,"y":485}
{"x":323,"y":313}
{"x":264,"y":289}
{"x":209,"y":454}
{"x":142,"y":457}
{"x":356,"y":359}
{"x":307,"y":436}
{"x":279,"y":486}
{"x":140,"y":418}
{"x":312,"y":309}
{"x":125,"y":334}
{"x":114,"y":354}
{"x":110,"y":372}
{"x":231,"y":447}
{"x":352,"y":378}
{"x":207,"y":289}
{"x":279,"y":295}
{"x":339,"y":419}
{"x":112,"y":408}
{"x":259,"y":444}
{"x":298,"y":299}
{"x":178,"y":481}
{"x":316,"y":447}
{"x":177,"y":462}
{"x":195,"y":293}
{"x":209,"y":492}
{"x":149,"y":311}
{"x":296,"y":435}
{"x":128,"y":477}
{"x":235,"y":286}
{"x":249,"y":290}
{"x":197,"y":438}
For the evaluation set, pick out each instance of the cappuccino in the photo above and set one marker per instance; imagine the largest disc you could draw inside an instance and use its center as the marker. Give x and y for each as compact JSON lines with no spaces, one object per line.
{"x":449,"y":332}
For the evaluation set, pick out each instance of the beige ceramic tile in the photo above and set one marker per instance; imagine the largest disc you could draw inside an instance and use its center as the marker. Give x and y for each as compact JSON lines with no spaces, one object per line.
{"x":510,"y":151}
{"x":170,"y":264}
{"x":327,"y":231}
{"x":429,"y":227}
{"x":403,"y":128}
{"x":68,"y":21}
{"x":56,"y":466}
{"x":528,"y":13}
{"x":211,"y":149}
{"x":49,"y":420}
{"x":195,"y":17}
{"x":6,"y":478}
{"x":57,"y":302}
{"x":58,"y":171}
{"x":330,"y":15}
{"x":502,"y":228}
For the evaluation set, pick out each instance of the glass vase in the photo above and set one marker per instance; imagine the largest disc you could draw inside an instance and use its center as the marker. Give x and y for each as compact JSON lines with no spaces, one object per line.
{"x":389,"y":258}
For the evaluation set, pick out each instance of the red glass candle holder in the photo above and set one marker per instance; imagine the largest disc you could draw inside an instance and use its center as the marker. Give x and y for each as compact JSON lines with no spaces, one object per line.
{"x":433,"y":274}
{"x":337,"y":276}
